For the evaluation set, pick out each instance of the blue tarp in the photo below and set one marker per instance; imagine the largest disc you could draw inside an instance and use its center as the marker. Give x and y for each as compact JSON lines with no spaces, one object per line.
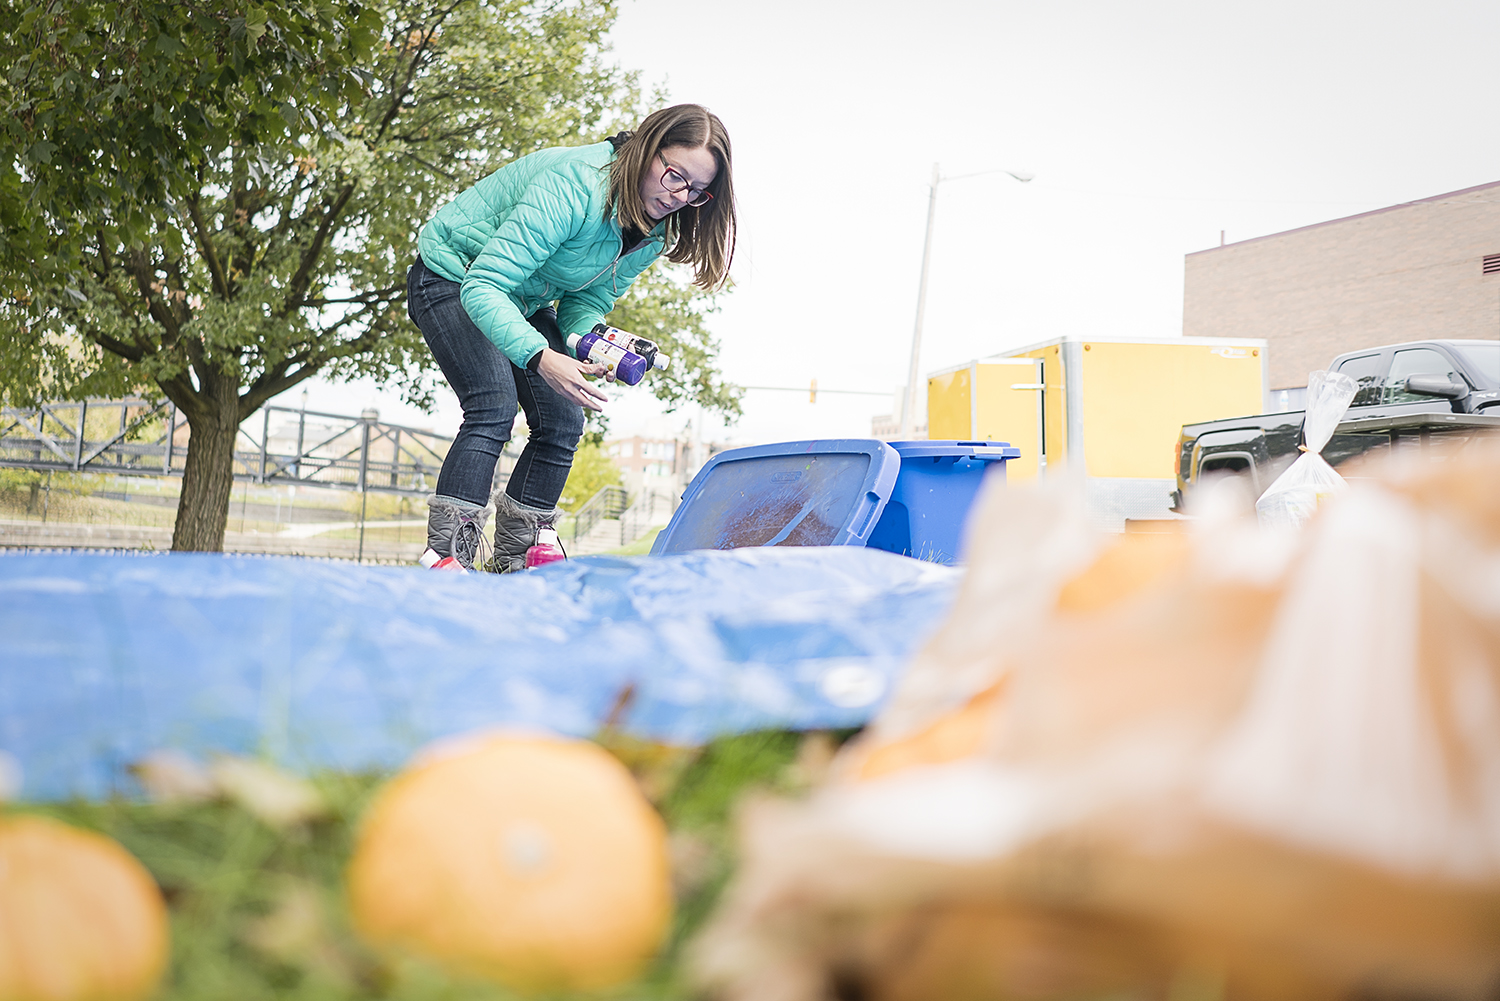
{"x":327,"y":665}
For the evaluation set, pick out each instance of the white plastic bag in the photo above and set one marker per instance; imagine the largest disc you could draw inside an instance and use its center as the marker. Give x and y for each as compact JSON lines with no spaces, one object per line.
{"x":1295,"y":495}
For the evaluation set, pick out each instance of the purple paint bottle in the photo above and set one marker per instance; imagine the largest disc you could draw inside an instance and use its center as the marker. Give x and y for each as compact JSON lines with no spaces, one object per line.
{"x":626,"y":366}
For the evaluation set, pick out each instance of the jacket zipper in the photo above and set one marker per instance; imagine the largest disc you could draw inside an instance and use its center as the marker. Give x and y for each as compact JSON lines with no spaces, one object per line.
{"x":603,"y":269}
{"x":619,"y":254}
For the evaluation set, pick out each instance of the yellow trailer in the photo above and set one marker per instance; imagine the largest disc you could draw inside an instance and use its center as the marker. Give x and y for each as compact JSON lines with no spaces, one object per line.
{"x":1109,"y":407}
{"x":976,"y":402}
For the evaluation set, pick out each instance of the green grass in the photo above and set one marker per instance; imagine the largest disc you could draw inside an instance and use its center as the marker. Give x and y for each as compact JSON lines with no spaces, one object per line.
{"x":259,"y":913}
{"x":640,"y":547}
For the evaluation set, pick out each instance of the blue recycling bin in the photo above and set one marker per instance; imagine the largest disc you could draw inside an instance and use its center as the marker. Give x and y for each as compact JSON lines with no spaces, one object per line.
{"x":828,"y":492}
{"x":925,"y":514}
{"x":907,"y":497}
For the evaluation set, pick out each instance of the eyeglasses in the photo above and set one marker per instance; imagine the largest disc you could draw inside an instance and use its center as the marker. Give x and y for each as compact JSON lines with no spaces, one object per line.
{"x":676,"y":184}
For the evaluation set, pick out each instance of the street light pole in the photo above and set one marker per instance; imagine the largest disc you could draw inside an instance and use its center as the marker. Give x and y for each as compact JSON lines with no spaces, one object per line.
{"x":910,"y":406}
{"x":908,"y":409}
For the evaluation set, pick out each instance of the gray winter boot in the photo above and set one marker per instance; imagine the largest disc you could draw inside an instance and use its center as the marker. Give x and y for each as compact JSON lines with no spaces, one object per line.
{"x":516,"y":526}
{"x":456,"y":528}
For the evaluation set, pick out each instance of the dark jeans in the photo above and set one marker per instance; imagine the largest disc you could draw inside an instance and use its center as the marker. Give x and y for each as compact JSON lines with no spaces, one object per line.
{"x":489,"y":388}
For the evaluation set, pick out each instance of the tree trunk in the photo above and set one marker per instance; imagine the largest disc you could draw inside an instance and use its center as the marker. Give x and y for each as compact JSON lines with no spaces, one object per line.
{"x":208,"y":477}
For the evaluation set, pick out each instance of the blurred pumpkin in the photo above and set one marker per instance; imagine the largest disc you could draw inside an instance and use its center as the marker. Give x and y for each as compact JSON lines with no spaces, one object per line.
{"x":80,"y":918}
{"x":531,"y":860}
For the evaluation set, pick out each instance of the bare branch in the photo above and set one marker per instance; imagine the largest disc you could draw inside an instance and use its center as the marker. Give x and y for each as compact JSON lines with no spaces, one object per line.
{"x":129,"y":352}
{"x":206,"y":247}
{"x":431,"y":166}
{"x":269,"y":386}
{"x":402,"y":89}
{"x":298,"y":286}
{"x":138,"y":266}
{"x":179,"y":389}
{"x":375,"y":295}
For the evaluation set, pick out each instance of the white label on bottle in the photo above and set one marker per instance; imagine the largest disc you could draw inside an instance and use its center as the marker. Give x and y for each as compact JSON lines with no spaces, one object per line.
{"x":607,"y":354}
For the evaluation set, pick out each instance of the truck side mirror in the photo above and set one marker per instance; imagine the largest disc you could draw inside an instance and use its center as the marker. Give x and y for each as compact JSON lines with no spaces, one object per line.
{"x":1436,"y":385}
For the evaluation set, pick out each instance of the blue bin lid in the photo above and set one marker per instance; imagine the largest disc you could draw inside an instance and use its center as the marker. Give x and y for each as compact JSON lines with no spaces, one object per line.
{"x":987,"y":451}
{"x":827,"y":492}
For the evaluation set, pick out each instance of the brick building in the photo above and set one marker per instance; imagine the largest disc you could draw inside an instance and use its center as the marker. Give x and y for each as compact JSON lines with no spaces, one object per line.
{"x":1423,"y":269}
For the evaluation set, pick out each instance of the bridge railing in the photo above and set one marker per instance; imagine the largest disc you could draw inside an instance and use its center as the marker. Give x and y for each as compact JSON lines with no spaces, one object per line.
{"x":277,"y":445}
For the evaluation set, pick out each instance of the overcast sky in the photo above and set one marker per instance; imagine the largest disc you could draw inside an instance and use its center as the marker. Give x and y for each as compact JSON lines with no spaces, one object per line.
{"x":1149,"y":127}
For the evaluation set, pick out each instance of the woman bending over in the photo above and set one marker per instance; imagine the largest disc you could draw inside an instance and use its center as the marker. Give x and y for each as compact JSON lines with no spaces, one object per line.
{"x":540,"y":249}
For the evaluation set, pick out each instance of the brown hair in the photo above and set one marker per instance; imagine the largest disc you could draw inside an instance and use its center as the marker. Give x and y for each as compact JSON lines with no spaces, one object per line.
{"x":701,"y":236}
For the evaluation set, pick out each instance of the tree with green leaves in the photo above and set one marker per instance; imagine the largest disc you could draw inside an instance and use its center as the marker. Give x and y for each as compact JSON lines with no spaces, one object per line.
{"x":592,"y":471}
{"x":214,"y":201}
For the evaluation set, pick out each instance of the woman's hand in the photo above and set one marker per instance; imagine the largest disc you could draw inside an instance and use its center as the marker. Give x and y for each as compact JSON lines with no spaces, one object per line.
{"x":566,"y":375}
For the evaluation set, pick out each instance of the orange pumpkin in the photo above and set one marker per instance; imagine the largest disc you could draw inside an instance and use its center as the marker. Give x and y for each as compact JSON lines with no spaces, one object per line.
{"x":532,"y":860}
{"x":80,"y":918}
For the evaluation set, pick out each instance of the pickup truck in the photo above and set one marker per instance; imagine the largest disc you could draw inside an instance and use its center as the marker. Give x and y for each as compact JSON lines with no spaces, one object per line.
{"x":1432,"y":394}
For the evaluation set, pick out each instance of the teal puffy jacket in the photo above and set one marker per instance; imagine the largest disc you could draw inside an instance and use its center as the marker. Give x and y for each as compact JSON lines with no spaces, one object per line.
{"x":533,"y":233}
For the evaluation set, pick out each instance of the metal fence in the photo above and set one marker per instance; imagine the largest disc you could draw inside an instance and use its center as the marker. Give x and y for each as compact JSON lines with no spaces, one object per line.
{"x":642,"y":516}
{"x":609,"y":502}
{"x":278,"y":445}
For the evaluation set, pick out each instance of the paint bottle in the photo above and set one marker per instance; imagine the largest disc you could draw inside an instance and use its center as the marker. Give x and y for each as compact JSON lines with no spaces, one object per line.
{"x":626,"y":366}
{"x":655,"y":357}
{"x":547,"y":549}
